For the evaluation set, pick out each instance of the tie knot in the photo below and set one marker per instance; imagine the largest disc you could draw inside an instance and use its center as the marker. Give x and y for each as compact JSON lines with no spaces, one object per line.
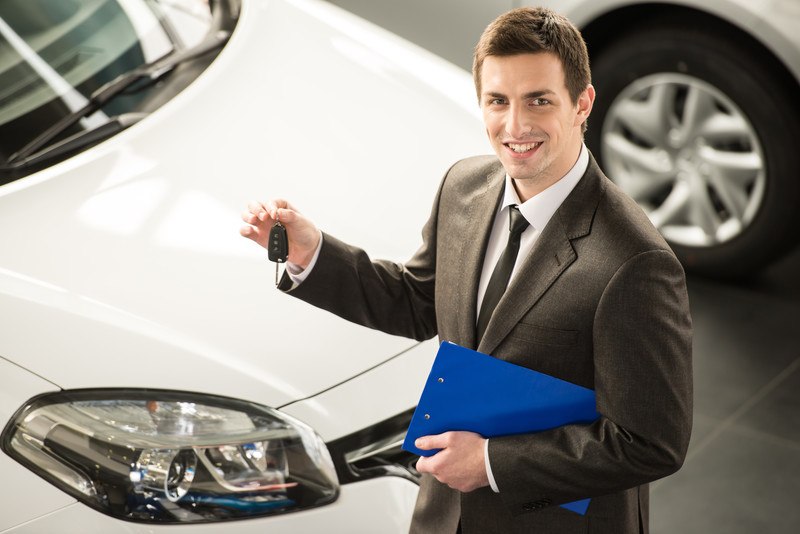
{"x":517,"y":222}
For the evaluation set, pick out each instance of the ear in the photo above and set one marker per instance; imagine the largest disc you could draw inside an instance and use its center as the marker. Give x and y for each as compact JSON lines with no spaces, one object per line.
{"x":584,"y":105}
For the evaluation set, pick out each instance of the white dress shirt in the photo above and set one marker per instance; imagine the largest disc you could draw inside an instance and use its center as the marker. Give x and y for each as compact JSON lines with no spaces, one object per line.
{"x":537,"y":211}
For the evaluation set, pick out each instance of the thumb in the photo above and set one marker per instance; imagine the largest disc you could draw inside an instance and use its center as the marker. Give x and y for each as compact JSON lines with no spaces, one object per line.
{"x":287,"y":215}
{"x":303,"y":235}
{"x":438,"y":441}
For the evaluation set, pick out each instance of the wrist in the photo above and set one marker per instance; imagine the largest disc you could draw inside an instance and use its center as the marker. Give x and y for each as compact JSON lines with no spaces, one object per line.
{"x":299,"y":272}
{"x":307,"y":254}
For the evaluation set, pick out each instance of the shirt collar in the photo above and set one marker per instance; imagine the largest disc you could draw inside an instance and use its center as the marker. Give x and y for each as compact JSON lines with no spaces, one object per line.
{"x":539,"y":209}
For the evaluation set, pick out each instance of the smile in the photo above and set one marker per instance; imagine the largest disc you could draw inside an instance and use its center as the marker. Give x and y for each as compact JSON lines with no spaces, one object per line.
{"x":522,"y":148}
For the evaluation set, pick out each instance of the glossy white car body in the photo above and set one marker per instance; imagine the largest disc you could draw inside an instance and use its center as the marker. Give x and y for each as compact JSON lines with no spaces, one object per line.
{"x":122,"y":267}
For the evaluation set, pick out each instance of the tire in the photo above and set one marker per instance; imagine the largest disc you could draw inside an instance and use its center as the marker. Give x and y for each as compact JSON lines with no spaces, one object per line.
{"x":700,"y":130}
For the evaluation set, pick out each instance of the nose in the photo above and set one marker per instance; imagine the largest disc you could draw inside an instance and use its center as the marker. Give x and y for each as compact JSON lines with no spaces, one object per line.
{"x":518,"y":122}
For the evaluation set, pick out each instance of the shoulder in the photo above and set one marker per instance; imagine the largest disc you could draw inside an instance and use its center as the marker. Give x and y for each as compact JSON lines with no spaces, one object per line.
{"x":470,"y":187}
{"x":616,"y":229}
{"x":475,"y":165}
{"x":623,"y":218}
{"x":473,"y":172}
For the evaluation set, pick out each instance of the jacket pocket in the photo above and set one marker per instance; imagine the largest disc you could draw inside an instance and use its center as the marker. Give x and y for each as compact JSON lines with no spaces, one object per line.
{"x":545,"y":336}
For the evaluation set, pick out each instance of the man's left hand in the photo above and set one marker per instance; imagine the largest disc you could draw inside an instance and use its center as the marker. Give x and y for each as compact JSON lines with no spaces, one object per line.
{"x":460,"y":464}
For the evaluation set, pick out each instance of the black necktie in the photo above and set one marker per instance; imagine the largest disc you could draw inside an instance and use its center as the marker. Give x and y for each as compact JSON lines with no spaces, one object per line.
{"x":502,"y":271}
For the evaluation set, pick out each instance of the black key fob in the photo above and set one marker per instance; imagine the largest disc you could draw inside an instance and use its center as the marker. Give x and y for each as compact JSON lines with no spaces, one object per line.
{"x":278,"y":246}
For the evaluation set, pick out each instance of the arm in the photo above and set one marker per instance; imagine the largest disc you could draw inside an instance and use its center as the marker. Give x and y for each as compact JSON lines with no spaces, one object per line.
{"x":643,"y":384}
{"x":392,"y":297}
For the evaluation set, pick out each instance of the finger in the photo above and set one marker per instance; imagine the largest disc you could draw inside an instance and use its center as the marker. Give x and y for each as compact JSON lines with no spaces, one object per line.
{"x":274,"y":205}
{"x":437,"y":441}
{"x":425,"y":465}
{"x":250,"y":218}
{"x":256,"y":207}
{"x":249,"y":232}
{"x":286,"y":215}
{"x":282,"y":203}
{"x":259,"y":212}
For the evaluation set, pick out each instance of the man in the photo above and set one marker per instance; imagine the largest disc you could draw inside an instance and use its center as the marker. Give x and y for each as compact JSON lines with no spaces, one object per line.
{"x":595,"y":297}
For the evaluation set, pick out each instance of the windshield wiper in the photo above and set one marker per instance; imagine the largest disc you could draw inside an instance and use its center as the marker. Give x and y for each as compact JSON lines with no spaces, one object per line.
{"x":146,"y":74}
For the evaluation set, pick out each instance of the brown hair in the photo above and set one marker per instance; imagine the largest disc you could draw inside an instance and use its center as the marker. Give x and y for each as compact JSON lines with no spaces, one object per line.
{"x":528,"y":30}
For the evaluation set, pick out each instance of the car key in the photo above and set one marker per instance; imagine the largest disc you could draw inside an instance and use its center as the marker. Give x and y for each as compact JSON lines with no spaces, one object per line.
{"x":278,"y":246}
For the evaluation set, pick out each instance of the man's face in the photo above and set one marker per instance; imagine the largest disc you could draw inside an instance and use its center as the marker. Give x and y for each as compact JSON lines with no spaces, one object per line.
{"x":533,"y":125}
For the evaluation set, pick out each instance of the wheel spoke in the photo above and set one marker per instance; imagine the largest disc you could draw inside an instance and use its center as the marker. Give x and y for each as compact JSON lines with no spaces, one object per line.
{"x":698,"y":106}
{"x":642,"y":171}
{"x":662,"y":102}
{"x":737,"y":178}
{"x":653,"y":162}
{"x":724,"y":126}
{"x":674,"y":207}
{"x":643,"y":120}
{"x":740,"y":168}
{"x":701,"y":210}
{"x":733,"y":198}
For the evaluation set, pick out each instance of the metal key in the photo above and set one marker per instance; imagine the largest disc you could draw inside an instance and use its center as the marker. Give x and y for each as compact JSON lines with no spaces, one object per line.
{"x":278,"y":246}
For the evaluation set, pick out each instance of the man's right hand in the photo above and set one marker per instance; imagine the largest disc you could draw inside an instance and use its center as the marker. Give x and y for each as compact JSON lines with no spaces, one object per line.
{"x":303,"y":236}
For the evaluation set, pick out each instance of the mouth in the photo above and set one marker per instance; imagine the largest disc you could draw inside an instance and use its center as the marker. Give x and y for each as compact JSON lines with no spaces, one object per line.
{"x":522,"y":148}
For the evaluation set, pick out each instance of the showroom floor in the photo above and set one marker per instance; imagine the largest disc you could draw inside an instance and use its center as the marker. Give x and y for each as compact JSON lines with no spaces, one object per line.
{"x":742,"y":473}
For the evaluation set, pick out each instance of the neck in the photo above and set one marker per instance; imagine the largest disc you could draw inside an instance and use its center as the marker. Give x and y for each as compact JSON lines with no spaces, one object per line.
{"x":529,"y":188}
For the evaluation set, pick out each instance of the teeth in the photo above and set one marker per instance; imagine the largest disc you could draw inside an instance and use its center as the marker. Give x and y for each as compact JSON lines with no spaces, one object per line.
{"x":522,"y":148}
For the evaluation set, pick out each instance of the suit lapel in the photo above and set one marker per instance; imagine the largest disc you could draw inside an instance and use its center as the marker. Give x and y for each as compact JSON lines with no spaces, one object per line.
{"x":550,"y":256}
{"x":480,"y":217}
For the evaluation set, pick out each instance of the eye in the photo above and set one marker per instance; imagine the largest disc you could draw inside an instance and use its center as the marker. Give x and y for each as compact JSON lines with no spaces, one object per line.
{"x":539,"y":102}
{"x":496,"y":101}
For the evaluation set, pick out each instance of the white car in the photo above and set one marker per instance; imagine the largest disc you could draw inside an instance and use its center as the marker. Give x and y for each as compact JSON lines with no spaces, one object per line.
{"x":150,"y":373}
{"x":696,"y":117}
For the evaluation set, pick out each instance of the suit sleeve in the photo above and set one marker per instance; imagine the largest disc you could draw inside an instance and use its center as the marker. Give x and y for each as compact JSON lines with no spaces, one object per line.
{"x":392,"y":297}
{"x":643,"y":386}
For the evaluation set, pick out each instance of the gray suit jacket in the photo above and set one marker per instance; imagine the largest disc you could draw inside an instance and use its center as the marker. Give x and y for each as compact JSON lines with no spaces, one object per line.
{"x":600,"y":301}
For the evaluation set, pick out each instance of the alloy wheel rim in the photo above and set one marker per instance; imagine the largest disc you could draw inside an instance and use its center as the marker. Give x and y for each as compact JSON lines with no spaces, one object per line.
{"x":688,"y":155}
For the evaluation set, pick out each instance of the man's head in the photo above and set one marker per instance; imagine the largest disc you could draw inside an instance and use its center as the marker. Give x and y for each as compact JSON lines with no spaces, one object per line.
{"x":532,"y":76}
{"x":530,"y":30}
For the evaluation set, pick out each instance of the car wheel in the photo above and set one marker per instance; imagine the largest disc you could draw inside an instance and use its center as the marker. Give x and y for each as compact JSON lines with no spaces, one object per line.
{"x":700,"y":130}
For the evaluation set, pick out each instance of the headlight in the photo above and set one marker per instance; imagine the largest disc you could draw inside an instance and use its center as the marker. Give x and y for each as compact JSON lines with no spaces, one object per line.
{"x":161,"y":456}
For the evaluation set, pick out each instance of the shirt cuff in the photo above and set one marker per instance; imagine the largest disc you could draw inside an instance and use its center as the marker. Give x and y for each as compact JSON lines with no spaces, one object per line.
{"x":296,"y":273}
{"x":489,"y":474}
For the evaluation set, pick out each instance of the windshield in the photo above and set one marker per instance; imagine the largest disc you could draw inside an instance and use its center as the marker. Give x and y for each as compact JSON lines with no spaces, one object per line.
{"x":55,"y":53}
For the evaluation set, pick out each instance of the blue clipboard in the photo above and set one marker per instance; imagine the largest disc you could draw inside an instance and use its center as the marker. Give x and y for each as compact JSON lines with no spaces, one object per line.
{"x":468,"y":390}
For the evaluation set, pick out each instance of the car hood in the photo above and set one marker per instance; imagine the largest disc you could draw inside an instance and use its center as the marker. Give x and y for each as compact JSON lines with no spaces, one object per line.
{"x":123,"y":266}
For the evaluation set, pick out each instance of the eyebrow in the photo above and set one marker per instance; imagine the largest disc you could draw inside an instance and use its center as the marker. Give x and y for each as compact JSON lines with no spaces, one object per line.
{"x":532,"y":94}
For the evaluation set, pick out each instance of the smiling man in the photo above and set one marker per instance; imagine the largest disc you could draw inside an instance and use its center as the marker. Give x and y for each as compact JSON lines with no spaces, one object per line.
{"x":532,"y":121}
{"x":534,"y":257}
